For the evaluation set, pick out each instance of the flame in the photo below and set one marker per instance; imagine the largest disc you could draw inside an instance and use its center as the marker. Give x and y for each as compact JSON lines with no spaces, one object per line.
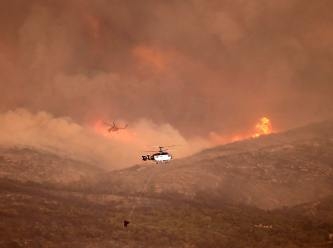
{"x":263,"y":127}
{"x":137,"y":135}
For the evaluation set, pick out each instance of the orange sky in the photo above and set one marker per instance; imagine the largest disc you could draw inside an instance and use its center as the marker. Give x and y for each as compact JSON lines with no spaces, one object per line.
{"x":201,"y":66}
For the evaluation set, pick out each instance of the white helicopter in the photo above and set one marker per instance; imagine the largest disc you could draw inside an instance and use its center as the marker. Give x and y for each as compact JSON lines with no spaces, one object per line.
{"x":113,"y":127}
{"x":160,"y":156}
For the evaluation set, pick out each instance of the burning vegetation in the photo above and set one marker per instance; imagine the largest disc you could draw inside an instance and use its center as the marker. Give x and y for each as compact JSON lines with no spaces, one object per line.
{"x":263,"y":127}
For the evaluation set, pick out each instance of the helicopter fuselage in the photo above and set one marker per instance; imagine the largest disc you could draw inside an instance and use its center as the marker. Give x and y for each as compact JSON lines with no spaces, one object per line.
{"x":160,"y":157}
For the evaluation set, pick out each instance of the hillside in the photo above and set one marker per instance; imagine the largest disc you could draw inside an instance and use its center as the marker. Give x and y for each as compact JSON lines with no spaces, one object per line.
{"x":277,"y":170}
{"x":29,"y":164}
{"x":227,"y":196}
{"x":35,"y":217}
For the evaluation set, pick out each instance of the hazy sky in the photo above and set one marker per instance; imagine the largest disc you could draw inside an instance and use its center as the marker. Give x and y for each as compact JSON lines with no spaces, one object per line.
{"x":200,"y":66}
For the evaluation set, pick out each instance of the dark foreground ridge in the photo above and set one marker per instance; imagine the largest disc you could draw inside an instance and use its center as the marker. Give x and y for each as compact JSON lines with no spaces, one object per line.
{"x":31,"y":217}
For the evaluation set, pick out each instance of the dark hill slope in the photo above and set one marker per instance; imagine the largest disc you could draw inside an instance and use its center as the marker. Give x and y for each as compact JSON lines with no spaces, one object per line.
{"x":28,"y":164}
{"x":283,"y":169}
{"x":35,"y":217}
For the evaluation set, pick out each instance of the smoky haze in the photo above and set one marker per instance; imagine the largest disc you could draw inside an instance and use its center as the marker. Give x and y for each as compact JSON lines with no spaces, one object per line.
{"x":92,"y":144}
{"x":200,"y":67}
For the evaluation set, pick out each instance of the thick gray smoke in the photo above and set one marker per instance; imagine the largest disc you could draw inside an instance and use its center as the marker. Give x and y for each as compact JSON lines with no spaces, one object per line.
{"x":201,"y":66}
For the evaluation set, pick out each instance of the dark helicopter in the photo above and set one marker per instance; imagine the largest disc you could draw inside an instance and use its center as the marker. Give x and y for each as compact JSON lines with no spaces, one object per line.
{"x":126,"y":223}
{"x":113,"y":127}
{"x":160,"y":156}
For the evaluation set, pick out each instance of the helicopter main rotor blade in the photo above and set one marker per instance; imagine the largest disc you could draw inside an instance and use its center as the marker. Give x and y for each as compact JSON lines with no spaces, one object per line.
{"x":159,"y":146}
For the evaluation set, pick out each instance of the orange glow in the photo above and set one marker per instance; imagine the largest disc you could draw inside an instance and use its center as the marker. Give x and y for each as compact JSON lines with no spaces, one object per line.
{"x":151,"y":57}
{"x":93,"y":25}
{"x":123,"y":135}
{"x":263,"y":127}
{"x":218,"y":139}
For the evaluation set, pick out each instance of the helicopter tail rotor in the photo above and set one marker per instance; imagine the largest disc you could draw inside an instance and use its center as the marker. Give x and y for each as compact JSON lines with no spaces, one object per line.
{"x":144,"y":158}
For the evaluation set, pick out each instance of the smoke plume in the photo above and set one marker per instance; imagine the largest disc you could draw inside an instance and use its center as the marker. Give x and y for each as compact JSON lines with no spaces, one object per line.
{"x":201,"y":66}
{"x":92,"y":144}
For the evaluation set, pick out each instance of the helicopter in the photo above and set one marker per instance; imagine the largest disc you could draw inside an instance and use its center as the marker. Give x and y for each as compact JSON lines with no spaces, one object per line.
{"x":160,"y":156}
{"x":113,"y":127}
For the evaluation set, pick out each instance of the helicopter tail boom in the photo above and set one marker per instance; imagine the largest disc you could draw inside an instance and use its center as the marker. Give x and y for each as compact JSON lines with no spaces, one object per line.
{"x":147,"y":157}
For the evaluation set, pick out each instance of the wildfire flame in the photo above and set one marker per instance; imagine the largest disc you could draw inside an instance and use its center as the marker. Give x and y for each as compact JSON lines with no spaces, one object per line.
{"x":137,"y":135}
{"x":263,"y":127}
